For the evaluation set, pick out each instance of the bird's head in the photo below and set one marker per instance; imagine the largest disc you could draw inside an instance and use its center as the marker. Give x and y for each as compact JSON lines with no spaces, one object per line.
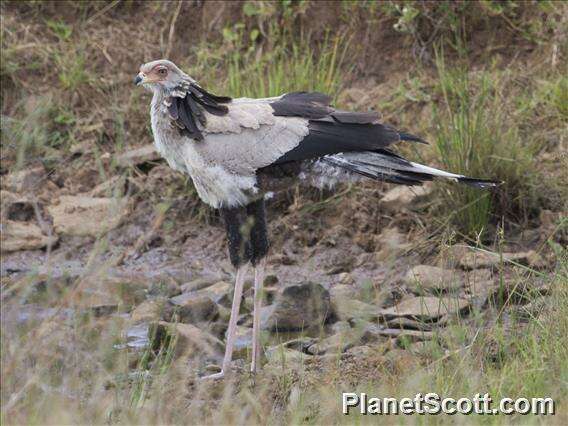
{"x":161,"y":75}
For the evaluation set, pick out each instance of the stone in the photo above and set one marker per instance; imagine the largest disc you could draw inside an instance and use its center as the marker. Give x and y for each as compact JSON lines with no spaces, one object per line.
{"x":351,"y":309}
{"x":16,"y":207}
{"x":300,"y":344}
{"x":373,"y":333}
{"x":194,"y":309}
{"x":26,"y":180}
{"x":279,"y":356}
{"x":424,"y":348}
{"x":335,"y":343}
{"x":151,"y":310}
{"x":87,"y":216}
{"x":298,"y":307}
{"x":409,"y":323}
{"x":390,"y":243}
{"x":340,"y":263}
{"x":15,"y":236}
{"x":103,"y":294}
{"x":190,"y":340}
{"x":472,"y":258}
{"x":137,"y":156}
{"x":424,"y":279}
{"x":114,"y":186}
{"x":341,"y":291}
{"x":200,"y":283}
{"x":167,"y":287}
{"x":345,"y":278}
{"x":341,"y":327}
{"x":402,"y":196}
{"x":220,"y":292}
{"x":406,"y":337}
{"x":362,"y":351}
{"x":426,"y":308}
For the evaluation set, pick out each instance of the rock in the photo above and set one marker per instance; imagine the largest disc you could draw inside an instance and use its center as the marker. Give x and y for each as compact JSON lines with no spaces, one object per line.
{"x":345,"y":278}
{"x":104,"y":295}
{"x":351,"y":309}
{"x":402,"y":196}
{"x":410,"y":336}
{"x":217,"y":329}
{"x":87,"y":216}
{"x":477,"y":276}
{"x":200,"y":283}
{"x":409,"y":323}
{"x":189,"y":340}
{"x":390,"y":243}
{"x":220,"y":292}
{"x":26,"y":180}
{"x":471,"y":258}
{"x":426,"y":308}
{"x":341,"y":327}
{"x":533,"y":309}
{"x":425,"y":348}
{"x":164,"y":288}
{"x":335,"y":343}
{"x":481,"y":291}
{"x":373,"y":333}
{"x":341,"y":291}
{"x":300,"y":344}
{"x":16,"y":236}
{"x":422,"y":279}
{"x":298,"y":307}
{"x":362,"y":351}
{"x":15,"y":207}
{"x":340,"y":263}
{"x":279,"y":356}
{"x":151,"y":310}
{"x":137,"y":156}
{"x":270,"y":281}
{"x":107,"y":188}
{"x":194,"y":309}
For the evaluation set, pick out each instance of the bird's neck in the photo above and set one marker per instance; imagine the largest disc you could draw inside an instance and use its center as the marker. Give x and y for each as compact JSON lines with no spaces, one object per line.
{"x":158,"y":100}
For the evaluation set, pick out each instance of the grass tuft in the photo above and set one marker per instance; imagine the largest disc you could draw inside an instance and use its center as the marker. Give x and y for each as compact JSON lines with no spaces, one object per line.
{"x":475,"y":137}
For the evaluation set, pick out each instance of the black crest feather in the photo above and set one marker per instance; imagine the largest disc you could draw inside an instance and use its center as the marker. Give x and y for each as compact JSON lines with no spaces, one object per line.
{"x":186,"y":112}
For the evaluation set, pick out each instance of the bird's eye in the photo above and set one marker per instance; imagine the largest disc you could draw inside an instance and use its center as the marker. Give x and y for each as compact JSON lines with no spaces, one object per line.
{"x":162,"y":71}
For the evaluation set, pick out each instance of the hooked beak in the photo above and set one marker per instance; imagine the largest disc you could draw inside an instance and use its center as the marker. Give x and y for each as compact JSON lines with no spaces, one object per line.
{"x":139,"y":79}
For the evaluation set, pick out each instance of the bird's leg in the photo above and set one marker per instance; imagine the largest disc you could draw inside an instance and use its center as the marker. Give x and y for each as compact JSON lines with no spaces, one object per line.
{"x":230,"y":342}
{"x":240,"y":253}
{"x":237,"y":296}
{"x":258,"y":280}
{"x":259,"y":244}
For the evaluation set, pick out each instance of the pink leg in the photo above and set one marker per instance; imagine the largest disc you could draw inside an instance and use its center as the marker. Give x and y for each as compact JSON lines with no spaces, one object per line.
{"x":258,"y":280}
{"x":239,"y":283}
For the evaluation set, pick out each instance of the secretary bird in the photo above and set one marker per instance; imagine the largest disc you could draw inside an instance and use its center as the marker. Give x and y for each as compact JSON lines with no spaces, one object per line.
{"x":239,"y":150}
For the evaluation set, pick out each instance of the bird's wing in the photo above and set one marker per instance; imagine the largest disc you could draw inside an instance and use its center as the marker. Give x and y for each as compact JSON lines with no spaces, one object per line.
{"x":332,"y":131}
{"x":244,"y":135}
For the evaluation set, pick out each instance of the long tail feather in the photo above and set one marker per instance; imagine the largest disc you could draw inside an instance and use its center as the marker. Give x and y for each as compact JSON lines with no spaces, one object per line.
{"x":386,"y":166}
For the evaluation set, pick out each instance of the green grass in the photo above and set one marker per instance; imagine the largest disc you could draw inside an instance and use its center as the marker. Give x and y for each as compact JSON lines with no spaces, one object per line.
{"x":291,"y":67}
{"x":476,"y":136}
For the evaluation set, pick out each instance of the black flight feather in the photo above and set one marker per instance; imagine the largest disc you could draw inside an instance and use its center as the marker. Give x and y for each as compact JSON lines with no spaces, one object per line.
{"x":196,"y":112}
{"x":188,"y":120}
{"x":333,"y":131}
